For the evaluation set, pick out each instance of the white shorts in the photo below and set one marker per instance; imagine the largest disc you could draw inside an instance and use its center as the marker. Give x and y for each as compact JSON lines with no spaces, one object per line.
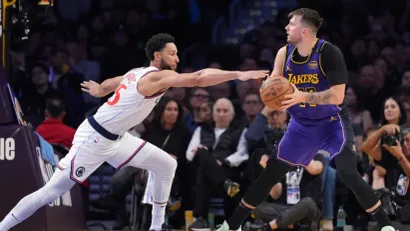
{"x":90,"y":150}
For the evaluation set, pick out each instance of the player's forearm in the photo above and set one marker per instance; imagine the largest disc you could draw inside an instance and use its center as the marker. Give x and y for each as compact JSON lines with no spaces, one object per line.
{"x":324,"y":97}
{"x":209,"y":76}
{"x":109,"y":86}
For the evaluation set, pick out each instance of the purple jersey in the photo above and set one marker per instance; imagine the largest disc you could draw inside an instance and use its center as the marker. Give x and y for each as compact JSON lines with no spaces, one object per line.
{"x":309,"y":77}
{"x":312,"y":127}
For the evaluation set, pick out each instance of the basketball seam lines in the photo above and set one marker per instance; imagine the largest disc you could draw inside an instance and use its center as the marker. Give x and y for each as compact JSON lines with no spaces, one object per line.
{"x":278,"y":95}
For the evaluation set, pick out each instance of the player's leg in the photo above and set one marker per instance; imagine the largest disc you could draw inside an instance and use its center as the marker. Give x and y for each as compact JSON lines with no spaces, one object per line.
{"x":259,"y":190}
{"x":138,"y":153}
{"x":163,"y":168}
{"x":83,"y":159}
{"x":364,"y":193}
{"x":295,"y":148}
{"x":338,"y":139}
{"x":59,"y":184}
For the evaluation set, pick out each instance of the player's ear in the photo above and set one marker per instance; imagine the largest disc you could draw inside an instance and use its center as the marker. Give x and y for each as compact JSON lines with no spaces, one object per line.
{"x":157,"y":55}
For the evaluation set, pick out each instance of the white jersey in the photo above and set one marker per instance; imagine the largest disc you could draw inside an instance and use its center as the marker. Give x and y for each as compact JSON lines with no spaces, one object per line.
{"x":127,"y":108}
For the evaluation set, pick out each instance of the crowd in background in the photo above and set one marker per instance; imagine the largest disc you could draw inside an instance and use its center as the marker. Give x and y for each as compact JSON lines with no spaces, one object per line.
{"x":96,"y":40}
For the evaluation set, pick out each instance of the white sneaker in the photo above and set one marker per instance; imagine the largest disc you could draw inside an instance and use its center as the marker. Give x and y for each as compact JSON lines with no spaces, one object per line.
{"x":225,"y":227}
{"x":388,"y":228}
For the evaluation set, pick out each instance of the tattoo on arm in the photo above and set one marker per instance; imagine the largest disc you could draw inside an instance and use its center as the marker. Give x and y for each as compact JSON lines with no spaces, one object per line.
{"x":324,"y":97}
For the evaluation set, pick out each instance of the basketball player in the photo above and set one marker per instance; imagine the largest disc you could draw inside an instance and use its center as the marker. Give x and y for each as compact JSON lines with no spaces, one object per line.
{"x":320,"y":119}
{"x":103,"y":137}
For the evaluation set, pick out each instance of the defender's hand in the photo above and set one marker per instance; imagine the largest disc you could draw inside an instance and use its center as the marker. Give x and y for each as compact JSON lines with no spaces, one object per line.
{"x":247,"y":75}
{"x":92,"y":88}
{"x":294,"y":98}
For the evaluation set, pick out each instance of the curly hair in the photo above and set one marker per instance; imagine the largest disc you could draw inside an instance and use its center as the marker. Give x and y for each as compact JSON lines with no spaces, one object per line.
{"x":157,"y":43}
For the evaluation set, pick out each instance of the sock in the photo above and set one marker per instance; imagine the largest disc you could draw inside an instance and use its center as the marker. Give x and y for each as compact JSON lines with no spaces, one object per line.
{"x":158,"y":216}
{"x":380,"y":216}
{"x":9,"y":222}
{"x":238,"y":217}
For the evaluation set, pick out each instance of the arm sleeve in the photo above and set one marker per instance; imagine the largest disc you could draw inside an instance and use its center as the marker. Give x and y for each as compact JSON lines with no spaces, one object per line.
{"x":333,"y":65}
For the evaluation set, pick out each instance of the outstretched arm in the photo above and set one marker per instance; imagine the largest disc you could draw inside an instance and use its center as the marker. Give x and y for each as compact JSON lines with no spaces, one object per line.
{"x":100,"y":90}
{"x":208,"y":77}
{"x":157,"y":81}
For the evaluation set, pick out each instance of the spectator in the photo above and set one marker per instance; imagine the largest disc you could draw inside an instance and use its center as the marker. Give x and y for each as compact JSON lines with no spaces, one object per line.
{"x":286,"y":207}
{"x":53,"y":130}
{"x":217,"y":151}
{"x":197,"y":97}
{"x":393,"y":115}
{"x":359,"y":115}
{"x":34,"y":100}
{"x":251,"y":106}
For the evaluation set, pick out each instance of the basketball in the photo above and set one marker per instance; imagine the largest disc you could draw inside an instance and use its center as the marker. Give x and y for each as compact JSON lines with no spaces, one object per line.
{"x":273,"y":91}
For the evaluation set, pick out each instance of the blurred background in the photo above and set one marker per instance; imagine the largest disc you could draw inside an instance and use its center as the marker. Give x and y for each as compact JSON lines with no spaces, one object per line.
{"x":50,"y":47}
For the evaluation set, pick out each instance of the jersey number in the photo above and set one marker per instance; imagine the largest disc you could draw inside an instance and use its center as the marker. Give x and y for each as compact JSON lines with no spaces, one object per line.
{"x":116,"y":97}
{"x":307,"y":89}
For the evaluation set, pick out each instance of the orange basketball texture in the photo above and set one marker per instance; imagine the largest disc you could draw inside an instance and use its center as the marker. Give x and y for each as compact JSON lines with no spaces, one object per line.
{"x":273,"y":91}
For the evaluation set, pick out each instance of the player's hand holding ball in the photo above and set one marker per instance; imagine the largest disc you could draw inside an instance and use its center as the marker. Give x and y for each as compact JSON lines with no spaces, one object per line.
{"x":278,"y":93}
{"x":294,"y":98}
{"x":92,"y":88}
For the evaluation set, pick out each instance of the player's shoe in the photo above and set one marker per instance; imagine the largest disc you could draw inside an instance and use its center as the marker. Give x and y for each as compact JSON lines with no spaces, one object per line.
{"x":388,"y":228}
{"x":257,"y":226}
{"x":225,"y":227}
{"x":164,"y":227}
{"x":200,"y":224}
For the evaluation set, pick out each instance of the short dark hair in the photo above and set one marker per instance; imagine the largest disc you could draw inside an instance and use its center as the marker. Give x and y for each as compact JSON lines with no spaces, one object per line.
{"x":55,"y":106}
{"x":309,"y":16}
{"x":157,"y":43}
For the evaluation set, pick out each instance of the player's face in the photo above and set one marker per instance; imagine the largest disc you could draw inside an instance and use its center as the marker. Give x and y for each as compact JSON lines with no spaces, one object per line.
{"x":295,"y":30}
{"x":169,"y":57}
{"x":391,"y":110}
{"x":170,"y":114}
